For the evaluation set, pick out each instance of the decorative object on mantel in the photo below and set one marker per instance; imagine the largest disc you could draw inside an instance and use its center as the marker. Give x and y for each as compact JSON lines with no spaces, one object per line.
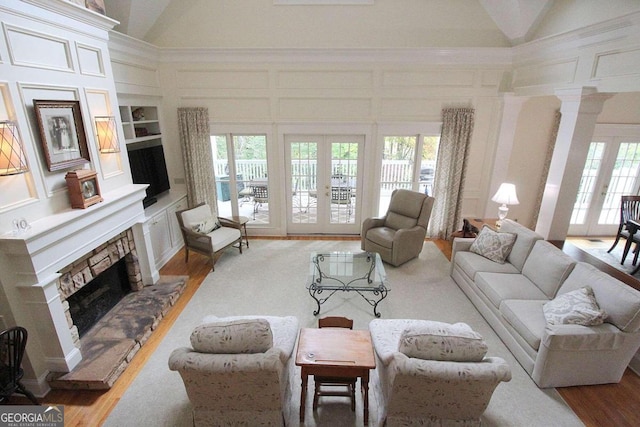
{"x":107,"y":134}
{"x":84,"y":189}
{"x":506,"y":195}
{"x":62,"y":133}
{"x":20,"y":226}
{"x":12,"y":158}
{"x":95,"y":5}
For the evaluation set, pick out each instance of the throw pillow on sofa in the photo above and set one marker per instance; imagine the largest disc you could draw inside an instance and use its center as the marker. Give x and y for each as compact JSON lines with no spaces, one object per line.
{"x":493,"y":245}
{"x":432,"y":340}
{"x":577,"y":307}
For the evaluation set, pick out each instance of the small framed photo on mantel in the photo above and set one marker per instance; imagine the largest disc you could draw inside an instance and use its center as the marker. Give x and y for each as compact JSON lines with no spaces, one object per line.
{"x":64,"y":141}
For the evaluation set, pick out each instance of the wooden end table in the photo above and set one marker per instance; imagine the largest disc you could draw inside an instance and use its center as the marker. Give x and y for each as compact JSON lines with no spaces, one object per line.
{"x":335,"y":352}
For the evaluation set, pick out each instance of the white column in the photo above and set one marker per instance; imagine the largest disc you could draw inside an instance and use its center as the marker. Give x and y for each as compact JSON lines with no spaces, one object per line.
{"x":42,"y":300}
{"x":144,"y":250}
{"x":580,"y":109}
{"x":512,"y":105}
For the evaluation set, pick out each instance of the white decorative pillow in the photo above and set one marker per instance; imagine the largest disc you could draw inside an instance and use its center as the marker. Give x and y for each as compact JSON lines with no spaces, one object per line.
{"x":207,"y":225}
{"x":493,"y":245}
{"x":442,"y":341}
{"x":233,"y":336}
{"x":577,"y":307}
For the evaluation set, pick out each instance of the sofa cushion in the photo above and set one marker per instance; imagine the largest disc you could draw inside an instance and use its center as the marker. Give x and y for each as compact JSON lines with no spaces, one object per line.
{"x":523,"y":244}
{"x":620,"y":301}
{"x":498,"y":287}
{"x":577,"y":307}
{"x":493,"y":245}
{"x":547,"y":267}
{"x":527,"y":318}
{"x":472,"y":263}
{"x":233,"y":336}
{"x":442,"y":341}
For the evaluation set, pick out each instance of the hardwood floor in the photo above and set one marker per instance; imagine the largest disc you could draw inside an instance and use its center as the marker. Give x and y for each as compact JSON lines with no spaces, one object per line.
{"x":600,"y":405}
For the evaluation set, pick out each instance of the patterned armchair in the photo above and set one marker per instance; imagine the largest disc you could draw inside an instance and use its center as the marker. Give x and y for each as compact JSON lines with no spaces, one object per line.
{"x":433,"y":373}
{"x":238,"y":369}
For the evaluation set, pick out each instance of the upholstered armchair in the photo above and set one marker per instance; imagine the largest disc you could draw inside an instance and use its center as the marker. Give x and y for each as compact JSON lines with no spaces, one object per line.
{"x":237,"y":371}
{"x":399,"y":235}
{"x":433,"y":373}
{"x":206,"y":234}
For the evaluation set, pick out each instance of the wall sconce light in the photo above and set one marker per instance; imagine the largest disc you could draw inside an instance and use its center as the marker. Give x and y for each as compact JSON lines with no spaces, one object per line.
{"x":506,"y":195}
{"x":12,"y":158}
{"x":107,"y":134}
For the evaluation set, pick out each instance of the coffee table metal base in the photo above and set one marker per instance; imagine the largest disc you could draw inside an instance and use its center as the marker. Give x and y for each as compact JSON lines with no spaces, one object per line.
{"x":317,"y":291}
{"x":362,"y":273}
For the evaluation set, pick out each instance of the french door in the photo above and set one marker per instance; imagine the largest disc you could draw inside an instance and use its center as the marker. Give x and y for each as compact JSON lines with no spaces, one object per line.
{"x":324,"y":186}
{"x":611,"y":171}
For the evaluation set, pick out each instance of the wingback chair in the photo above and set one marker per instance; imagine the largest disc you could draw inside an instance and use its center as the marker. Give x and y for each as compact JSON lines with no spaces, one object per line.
{"x":206,"y":234}
{"x":433,"y":373}
{"x":399,"y":235}
{"x":237,"y":370}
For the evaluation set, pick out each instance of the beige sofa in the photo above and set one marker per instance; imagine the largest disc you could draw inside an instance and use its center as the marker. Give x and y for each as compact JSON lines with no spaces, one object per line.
{"x":511,"y":297}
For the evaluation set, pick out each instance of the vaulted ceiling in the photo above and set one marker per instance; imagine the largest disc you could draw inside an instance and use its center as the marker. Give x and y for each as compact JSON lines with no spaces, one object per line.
{"x":517,"y":19}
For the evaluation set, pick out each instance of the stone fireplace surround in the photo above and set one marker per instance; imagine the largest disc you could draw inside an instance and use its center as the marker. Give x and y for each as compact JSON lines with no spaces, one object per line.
{"x":81,"y":272}
{"x":34,"y":264}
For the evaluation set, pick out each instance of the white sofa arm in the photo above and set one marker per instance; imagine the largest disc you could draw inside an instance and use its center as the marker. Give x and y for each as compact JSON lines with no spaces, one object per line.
{"x":574,"y":354}
{"x":460,"y":244}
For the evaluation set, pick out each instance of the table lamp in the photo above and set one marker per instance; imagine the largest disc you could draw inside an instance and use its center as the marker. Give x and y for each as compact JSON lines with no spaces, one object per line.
{"x":506,"y":195}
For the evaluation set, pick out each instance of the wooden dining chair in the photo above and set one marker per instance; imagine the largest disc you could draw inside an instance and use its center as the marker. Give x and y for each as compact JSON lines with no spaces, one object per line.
{"x":629,"y":210}
{"x":335,"y":386}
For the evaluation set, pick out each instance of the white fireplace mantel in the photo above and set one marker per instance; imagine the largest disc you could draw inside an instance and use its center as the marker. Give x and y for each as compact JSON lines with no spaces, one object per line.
{"x":31,"y":262}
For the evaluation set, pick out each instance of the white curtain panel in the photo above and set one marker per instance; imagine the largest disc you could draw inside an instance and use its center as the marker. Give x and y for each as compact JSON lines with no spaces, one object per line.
{"x":457,"y":127}
{"x":197,"y":157}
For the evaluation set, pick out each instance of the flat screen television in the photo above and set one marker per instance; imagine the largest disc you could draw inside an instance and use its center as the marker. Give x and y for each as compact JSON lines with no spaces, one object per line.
{"x":148,"y":166}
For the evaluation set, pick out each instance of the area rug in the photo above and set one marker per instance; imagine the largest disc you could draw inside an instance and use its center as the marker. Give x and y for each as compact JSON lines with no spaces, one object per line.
{"x":614,"y":257}
{"x":269,"y":279}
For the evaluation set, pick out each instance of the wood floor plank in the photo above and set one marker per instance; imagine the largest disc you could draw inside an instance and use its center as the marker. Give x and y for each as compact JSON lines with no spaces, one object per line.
{"x":601,"y":405}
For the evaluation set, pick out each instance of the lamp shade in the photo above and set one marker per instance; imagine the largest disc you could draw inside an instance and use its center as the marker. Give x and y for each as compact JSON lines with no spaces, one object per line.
{"x":506,"y":195}
{"x":12,"y":158}
{"x":107,"y":135}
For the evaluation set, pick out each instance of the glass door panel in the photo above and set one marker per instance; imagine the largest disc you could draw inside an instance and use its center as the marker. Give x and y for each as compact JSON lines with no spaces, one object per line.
{"x":241,"y":174}
{"x":323,"y":182}
{"x":611,"y":170}
{"x":303,"y":206}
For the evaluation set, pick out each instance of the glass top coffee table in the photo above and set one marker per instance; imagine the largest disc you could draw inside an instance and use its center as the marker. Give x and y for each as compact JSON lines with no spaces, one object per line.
{"x":361,"y":272}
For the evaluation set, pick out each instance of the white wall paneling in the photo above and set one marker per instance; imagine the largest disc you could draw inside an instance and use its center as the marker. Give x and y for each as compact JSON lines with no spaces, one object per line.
{"x":91,"y":60}
{"x":29,"y":48}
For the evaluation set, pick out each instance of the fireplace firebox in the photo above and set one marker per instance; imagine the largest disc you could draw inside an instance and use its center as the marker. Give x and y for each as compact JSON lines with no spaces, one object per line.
{"x":100,"y":295}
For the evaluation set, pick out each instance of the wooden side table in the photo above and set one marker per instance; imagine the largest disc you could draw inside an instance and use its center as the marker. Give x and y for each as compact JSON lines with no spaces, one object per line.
{"x":242,"y":225}
{"x":335,"y":352}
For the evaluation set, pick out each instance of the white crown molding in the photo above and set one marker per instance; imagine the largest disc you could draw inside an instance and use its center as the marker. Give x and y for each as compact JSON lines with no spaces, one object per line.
{"x":122,"y":44}
{"x":76,"y":12}
{"x":432,"y":56}
{"x":613,"y":30}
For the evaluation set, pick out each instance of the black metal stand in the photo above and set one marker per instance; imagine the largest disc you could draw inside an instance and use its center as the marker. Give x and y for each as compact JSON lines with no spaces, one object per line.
{"x":317,"y":287}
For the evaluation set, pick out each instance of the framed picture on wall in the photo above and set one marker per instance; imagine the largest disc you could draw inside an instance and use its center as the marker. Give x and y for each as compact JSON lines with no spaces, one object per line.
{"x":64,"y":141}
